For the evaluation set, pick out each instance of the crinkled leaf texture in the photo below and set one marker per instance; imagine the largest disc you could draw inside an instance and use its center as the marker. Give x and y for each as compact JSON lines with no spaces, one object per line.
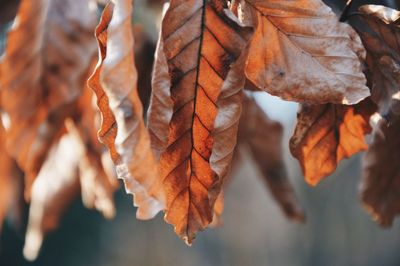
{"x":300,"y":52}
{"x":326,"y":134}
{"x":204,"y":47}
{"x":122,"y":127}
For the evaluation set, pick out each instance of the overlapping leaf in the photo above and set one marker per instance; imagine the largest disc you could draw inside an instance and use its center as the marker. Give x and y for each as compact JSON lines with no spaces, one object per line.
{"x":122,"y":129}
{"x":301,"y":52}
{"x":161,"y":106}
{"x":326,"y":134}
{"x":201,"y":42}
{"x":97,"y":186}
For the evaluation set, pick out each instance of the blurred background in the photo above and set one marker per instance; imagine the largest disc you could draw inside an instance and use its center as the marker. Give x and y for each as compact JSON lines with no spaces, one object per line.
{"x":255,"y":232}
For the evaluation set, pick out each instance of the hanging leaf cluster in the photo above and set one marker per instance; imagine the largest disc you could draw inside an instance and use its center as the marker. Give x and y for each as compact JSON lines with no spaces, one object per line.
{"x":73,"y":120}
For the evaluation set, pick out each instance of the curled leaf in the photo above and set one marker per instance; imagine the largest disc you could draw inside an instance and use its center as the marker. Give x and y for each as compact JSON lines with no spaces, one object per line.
{"x":161,"y":106}
{"x":122,"y":128}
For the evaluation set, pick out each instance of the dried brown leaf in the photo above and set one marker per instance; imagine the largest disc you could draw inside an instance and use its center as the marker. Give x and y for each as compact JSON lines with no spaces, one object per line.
{"x":380,"y":34}
{"x":300,"y":52}
{"x":122,"y":128}
{"x":47,"y":53}
{"x":202,"y":42}
{"x":326,"y":134}
{"x":161,"y":105}
{"x":263,"y":137}
{"x":380,"y":188}
{"x":97,"y":186}
{"x":56,"y":186}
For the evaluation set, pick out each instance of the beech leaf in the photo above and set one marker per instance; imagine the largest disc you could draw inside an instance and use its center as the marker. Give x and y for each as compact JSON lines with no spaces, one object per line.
{"x":122,"y":129}
{"x":380,"y":186}
{"x":202,"y":41}
{"x":300,"y":52}
{"x":326,"y":134}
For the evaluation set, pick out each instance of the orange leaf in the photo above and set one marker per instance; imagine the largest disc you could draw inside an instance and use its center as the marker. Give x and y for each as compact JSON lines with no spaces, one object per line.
{"x":122,"y":128}
{"x":202,"y":43}
{"x":326,"y":134}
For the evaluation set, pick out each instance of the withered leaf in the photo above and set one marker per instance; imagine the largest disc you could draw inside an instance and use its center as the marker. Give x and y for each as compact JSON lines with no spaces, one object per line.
{"x":380,"y":33}
{"x":56,"y":186}
{"x":380,"y":190}
{"x":97,"y":186}
{"x":161,"y":106}
{"x":263,"y":137}
{"x":47,"y":52}
{"x":201,"y":42}
{"x":300,"y":52}
{"x":98,"y":183}
{"x":122,"y":128}
{"x":326,"y":134}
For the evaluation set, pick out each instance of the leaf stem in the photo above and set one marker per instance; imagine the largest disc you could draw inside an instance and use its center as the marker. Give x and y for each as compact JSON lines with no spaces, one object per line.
{"x":343,"y":16}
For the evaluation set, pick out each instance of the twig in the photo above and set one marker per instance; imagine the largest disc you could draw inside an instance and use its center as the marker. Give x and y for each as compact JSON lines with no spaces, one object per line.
{"x":343,"y":16}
